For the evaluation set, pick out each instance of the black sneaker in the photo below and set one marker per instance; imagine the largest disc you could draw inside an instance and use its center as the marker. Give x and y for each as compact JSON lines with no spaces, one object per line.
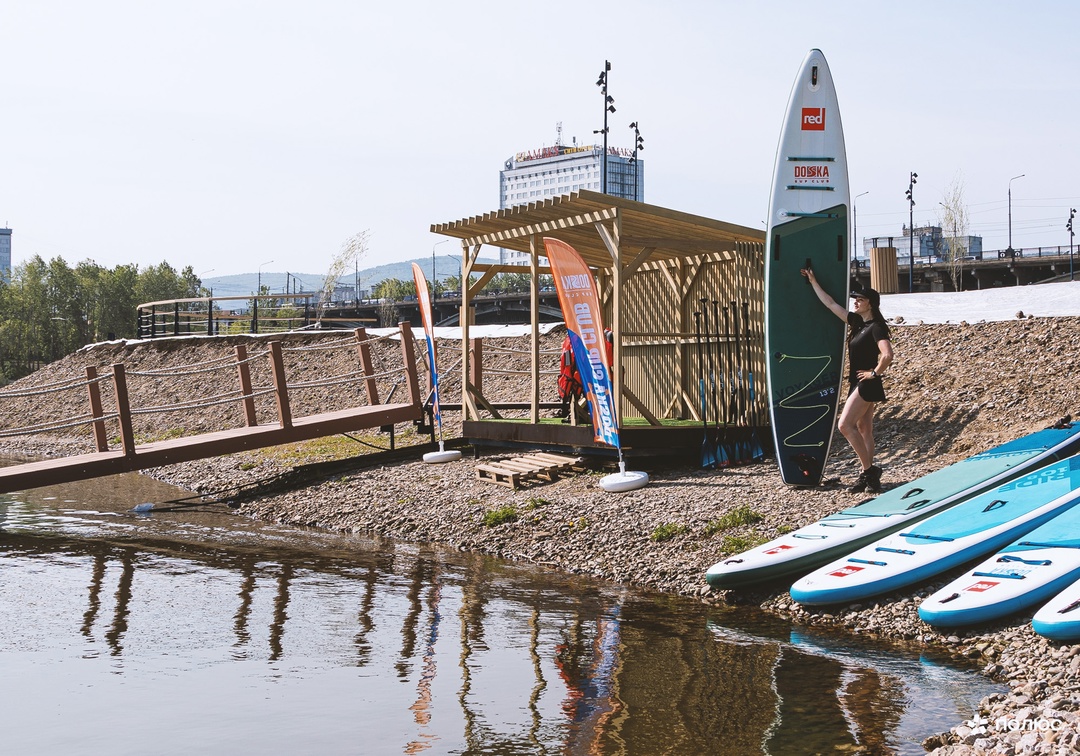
{"x":860,"y":483}
{"x":873,"y":479}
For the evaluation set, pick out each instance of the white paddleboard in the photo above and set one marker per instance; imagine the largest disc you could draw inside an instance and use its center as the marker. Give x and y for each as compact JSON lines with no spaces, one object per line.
{"x":969,"y":530}
{"x":1059,"y":618}
{"x":839,"y":534}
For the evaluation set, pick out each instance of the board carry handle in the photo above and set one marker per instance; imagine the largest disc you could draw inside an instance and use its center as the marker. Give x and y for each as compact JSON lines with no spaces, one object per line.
{"x":1036,"y":562}
{"x":841,"y":248}
{"x":776,"y":247}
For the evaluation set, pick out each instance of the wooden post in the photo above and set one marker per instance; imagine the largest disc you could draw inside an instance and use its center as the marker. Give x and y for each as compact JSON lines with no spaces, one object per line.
{"x":364,"y":348}
{"x":408,"y":355}
{"x":476,"y":365}
{"x":281,"y":387}
{"x":93,"y":388}
{"x":123,"y":409}
{"x":243,"y":369}
{"x":536,"y":245}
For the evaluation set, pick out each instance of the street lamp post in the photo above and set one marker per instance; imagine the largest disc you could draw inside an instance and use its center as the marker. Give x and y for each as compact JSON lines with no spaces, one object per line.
{"x":444,"y":241}
{"x":912,"y":180}
{"x":259,"y":289}
{"x":855,"y":227}
{"x":1010,"y":251}
{"x":609,"y":107}
{"x":639,"y":144}
{"x":1072,"y":214}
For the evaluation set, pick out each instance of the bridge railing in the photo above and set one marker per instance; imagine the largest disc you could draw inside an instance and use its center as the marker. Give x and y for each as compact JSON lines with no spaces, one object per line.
{"x":258,"y":375}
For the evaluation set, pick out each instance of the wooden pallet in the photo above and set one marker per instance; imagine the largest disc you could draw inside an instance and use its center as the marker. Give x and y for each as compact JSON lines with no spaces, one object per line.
{"x":514,"y":471}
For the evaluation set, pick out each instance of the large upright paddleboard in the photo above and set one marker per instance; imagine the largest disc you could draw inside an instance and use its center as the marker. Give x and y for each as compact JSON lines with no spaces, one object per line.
{"x":808,"y":225}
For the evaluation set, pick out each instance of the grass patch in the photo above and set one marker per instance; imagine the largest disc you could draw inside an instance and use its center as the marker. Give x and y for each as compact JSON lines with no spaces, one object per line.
{"x":744,"y":515}
{"x":536,"y":502}
{"x":735,"y":544}
{"x":500,"y":516}
{"x":667,"y":531}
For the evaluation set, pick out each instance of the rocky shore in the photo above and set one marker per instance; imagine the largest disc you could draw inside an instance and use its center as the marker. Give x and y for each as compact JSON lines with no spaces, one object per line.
{"x":954,"y":390}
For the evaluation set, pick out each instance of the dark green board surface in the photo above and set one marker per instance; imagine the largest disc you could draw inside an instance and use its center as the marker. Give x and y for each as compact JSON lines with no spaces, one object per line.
{"x":805,"y":340}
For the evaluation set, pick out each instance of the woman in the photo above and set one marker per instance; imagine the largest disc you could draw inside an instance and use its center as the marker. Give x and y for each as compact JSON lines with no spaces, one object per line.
{"x":869,"y":355}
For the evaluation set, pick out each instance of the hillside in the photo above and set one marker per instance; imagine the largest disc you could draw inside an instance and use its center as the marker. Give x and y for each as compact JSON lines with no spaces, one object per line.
{"x":246,"y":283}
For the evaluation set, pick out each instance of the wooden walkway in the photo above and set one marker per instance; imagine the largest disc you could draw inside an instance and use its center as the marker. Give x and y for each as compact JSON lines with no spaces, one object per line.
{"x":131,"y":456}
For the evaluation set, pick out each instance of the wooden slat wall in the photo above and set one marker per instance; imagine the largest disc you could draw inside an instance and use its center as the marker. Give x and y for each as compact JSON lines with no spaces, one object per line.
{"x":660,"y":362}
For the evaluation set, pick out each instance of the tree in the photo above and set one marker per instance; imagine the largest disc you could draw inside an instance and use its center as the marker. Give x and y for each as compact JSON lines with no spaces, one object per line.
{"x":954,"y":224}
{"x":347,"y":257}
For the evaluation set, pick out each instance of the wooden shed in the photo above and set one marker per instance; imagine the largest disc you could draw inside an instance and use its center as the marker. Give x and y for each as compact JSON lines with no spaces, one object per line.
{"x":654,"y":266}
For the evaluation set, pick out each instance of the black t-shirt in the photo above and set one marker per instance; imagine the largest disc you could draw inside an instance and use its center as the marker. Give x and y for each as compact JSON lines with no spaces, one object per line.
{"x":863,"y":350}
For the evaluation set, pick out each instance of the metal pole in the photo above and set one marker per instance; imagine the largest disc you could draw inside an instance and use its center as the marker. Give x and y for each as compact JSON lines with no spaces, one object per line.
{"x":1069,"y":225}
{"x":911,"y":230}
{"x":1010,"y":250}
{"x":855,"y":227}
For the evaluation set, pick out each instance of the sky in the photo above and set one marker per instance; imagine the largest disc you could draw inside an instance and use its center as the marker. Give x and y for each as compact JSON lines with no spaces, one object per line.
{"x":238,"y":136}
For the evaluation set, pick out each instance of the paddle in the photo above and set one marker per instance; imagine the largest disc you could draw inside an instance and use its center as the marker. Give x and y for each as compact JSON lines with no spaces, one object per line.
{"x":756,"y":452}
{"x":708,"y":458}
{"x":731,"y":407}
{"x":723,"y":453}
{"x":738,"y":392}
{"x":719,"y":457}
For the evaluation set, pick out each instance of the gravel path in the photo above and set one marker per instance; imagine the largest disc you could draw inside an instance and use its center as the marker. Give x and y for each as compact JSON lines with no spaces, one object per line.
{"x":955,"y":390}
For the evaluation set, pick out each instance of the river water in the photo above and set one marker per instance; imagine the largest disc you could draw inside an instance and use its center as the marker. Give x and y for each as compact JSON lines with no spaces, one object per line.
{"x":188,"y":629}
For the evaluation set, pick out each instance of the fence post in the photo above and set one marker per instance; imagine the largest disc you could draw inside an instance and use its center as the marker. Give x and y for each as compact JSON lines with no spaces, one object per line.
{"x":244,"y":370}
{"x":369,"y":369}
{"x":254,"y":314}
{"x":210,"y":317}
{"x":408,"y":355}
{"x":94,"y":391}
{"x":176,"y":319}
{"x":281,"y":387}
{"x":123,"y":409}
{"x":476,"y":365}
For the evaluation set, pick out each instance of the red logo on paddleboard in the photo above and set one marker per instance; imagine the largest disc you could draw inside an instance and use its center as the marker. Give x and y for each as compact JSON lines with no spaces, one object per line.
{"x":778,"y":549}
{"x":813,"y":119}
{"x":845,"y":571}
{"x":982,"y":585}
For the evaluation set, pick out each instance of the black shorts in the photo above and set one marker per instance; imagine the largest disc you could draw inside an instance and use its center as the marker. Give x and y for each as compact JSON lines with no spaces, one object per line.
{"x":871,"y":390}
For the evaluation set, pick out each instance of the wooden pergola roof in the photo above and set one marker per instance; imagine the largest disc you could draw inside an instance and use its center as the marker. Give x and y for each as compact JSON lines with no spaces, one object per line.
{"x":667,"y":234}
{"x":604,"y":230}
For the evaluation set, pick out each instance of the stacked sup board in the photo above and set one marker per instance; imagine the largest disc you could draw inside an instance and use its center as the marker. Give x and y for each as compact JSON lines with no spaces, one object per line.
{"x":839,"y":534}
{"x":1026,"y":573}
{"x":808,"y":226}
{"x":968,"y":530}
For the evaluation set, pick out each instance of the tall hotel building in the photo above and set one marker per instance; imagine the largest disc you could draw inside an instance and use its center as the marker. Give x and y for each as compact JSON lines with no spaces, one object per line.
{"x":5,"y":253}
{"x":536,"y":175}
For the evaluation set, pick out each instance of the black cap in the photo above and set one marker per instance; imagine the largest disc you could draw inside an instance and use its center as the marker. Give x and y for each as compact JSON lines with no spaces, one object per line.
{"x":867,"y":293}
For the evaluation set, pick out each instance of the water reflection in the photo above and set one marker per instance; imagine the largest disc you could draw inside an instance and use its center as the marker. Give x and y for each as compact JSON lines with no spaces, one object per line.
{"x":317,"y":642}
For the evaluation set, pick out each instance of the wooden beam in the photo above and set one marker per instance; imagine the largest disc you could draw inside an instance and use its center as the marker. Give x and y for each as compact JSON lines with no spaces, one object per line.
{"x":544,"y":228}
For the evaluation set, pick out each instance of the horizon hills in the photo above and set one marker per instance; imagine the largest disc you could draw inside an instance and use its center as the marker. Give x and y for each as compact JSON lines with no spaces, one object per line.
{"x":244,"y":284}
